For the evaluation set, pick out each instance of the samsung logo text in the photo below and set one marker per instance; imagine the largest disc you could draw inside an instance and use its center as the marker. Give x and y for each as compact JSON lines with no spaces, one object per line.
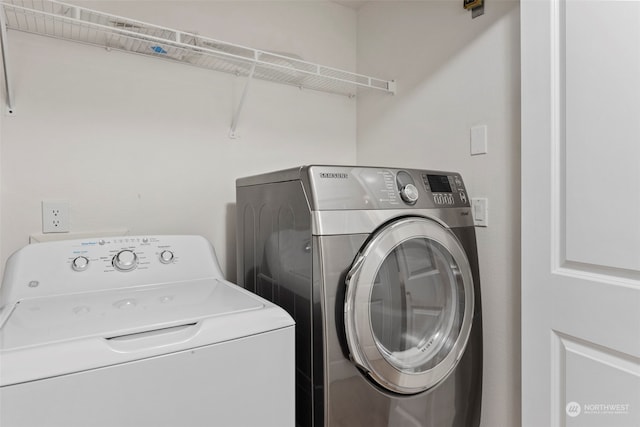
{"x":334,"y":175}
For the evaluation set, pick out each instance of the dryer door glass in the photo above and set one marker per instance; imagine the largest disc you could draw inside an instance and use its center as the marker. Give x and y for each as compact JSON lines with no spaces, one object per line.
{"x":409,"y":305}
{"x":416,"y":305}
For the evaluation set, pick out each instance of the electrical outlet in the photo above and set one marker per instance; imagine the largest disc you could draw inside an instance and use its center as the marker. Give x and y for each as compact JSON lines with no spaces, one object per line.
{"x":480,"y":211}
{"x":55,"y":216}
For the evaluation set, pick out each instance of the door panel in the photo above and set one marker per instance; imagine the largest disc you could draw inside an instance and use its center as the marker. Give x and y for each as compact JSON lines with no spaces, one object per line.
{"x":580,"y":213}
{"x":602,"y":144}
{"x":607,"y":391}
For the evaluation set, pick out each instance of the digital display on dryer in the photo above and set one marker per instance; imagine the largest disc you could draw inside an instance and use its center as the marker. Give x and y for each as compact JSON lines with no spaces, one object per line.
{"x":439,"y":183}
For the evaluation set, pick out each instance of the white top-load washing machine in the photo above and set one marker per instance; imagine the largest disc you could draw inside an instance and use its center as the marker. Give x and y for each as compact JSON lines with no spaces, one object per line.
{"x":139,"y":331}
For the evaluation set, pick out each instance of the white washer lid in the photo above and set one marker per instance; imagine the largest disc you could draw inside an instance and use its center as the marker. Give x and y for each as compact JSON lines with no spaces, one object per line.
{"x":44,"y":337}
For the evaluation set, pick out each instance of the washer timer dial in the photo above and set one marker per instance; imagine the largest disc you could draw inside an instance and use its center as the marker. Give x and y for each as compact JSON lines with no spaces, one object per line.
{"x":125,"y":260}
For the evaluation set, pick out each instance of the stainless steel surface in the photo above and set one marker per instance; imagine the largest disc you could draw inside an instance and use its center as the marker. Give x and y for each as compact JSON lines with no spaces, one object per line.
{"x":275,"y":261}
{"x":352,"y":398}
{"x":364,"y":188}
{"x":302,"y":230}
{"x":292,"y":174}
{"x":326,"y":223}
{"x":363,"y":344}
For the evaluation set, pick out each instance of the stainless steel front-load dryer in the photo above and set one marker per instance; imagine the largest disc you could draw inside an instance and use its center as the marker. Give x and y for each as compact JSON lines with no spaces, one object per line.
{"x":379,"y":268}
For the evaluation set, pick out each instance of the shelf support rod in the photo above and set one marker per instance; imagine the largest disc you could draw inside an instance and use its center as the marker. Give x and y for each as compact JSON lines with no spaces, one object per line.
{"x":5,"y":65}
{"x":234,"y":122}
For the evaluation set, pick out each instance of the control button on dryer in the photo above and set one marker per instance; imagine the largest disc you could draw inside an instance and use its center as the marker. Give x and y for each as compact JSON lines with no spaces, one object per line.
{"x":125,"y":260}
{"x":166,"y":257}
{"x":463,"y":197}
{"x":80,"y":263}
{"x":409,"y":193}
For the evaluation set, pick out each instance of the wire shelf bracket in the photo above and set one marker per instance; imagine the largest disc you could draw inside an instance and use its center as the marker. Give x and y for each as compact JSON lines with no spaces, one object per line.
{"x":233,"y":134}
{"x":74,"y":23}
{"x":5,"y":64}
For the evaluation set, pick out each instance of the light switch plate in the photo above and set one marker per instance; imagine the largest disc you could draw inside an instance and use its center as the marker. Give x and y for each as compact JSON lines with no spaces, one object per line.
{"x":479,"y":140}
{"x":480,"y":211}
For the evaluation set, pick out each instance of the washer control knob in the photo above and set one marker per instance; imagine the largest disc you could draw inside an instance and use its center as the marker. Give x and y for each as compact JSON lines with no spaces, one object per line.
{"x":125,"y":260}
{"x":166,"y":257}
{"x":80,"y":263}
{"x":409,"y":193}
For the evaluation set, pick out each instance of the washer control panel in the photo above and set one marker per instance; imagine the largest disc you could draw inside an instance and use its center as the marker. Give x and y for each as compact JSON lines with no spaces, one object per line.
{"x":122,"y":254}
{"x":71,"y":266}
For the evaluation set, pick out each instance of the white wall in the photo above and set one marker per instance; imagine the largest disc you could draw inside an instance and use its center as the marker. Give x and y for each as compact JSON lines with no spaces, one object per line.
{"x":138,"y":143}
{"x":454,"y":72}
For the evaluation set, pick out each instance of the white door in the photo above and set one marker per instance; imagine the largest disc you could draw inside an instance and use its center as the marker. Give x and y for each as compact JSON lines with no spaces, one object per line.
{"x":580,"y":213}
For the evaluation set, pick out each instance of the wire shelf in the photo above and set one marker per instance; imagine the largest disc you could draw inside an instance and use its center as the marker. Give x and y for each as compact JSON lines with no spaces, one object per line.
{"x":69,"y":22}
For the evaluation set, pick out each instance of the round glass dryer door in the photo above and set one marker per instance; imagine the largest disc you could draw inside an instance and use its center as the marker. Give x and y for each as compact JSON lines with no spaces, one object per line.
{"x":409,"y":305}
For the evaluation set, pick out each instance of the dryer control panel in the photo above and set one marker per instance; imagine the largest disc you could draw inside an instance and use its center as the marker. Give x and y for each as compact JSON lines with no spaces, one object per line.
{"x":364,"y":188}
{"x":445,"y":190}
